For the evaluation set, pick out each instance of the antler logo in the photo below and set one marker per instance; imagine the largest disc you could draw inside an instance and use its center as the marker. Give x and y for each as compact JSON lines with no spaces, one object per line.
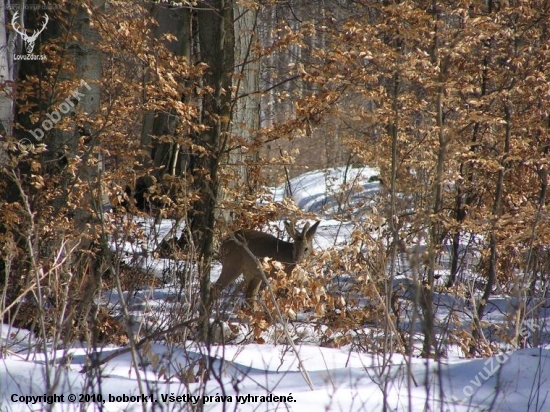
{"x":29,"y":40}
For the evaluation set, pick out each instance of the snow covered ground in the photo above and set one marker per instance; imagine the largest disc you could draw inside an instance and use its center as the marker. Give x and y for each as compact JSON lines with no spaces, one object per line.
{"x":253,"y":377}
{"x":342,"y":380}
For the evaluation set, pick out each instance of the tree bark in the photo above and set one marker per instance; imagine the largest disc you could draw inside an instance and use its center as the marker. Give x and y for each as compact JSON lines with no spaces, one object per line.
{"x":165,"y":155}
{"x":246,"y":107}
{"x":215,"y":25}
{"x":491,"y":269}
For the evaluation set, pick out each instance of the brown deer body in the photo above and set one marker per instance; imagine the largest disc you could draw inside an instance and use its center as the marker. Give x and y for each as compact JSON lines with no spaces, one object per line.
{"x":236,"y":260}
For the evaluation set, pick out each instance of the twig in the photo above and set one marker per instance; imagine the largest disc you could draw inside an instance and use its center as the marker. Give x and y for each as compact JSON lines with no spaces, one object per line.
{"x":97,"y":363}
{"x":303,"y":371}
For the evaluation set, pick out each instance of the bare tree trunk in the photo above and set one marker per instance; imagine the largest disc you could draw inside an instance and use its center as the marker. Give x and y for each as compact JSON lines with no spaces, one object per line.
{"x":436,"y":235}
{"x":82,"y":143}
{"x":434,"y":224}
{"x":6,"y":107}
{"x":246,"y":107}
{"x":7,"y":76}
{"x":491,"y":269}
{"x":465,"y":199}
{"x":217,"y":51}
{"x":165,"y":156}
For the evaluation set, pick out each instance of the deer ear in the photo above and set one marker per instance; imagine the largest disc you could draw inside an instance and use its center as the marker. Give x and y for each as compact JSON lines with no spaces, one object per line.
{"x":311,"y":232}
{"x":304,"y":230}
{"x":289,"y":226}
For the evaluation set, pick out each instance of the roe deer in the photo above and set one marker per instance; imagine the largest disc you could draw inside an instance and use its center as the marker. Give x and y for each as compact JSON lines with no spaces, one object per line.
{"x":236,"y":260}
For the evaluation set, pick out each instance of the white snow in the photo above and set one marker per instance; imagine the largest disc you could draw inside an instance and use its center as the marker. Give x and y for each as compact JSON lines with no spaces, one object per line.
{"x":343,"y":379}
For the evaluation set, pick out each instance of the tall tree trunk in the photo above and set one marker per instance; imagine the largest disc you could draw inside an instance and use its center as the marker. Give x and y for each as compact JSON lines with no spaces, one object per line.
{"x":165,"y":155}
{"x":88,"y":68}
{"x":216,"y":38}
{"x":434,"y":223}
{"x":6,"y":108}
{"x":7,"y":76}
{"x":491,"y":268}
{"x":465,"y":199}
{"x":245,"y":114}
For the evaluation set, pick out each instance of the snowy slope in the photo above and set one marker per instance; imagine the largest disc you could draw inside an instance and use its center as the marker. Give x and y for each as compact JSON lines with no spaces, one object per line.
{"x":250,"y":377}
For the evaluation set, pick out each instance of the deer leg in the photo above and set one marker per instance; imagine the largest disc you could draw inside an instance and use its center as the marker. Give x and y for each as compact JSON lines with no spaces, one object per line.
{"x":230,"y":273}
{"x":252,"y":291}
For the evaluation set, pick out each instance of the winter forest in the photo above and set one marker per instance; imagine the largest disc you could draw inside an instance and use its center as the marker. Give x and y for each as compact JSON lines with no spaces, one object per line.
{"x":377,"y":172}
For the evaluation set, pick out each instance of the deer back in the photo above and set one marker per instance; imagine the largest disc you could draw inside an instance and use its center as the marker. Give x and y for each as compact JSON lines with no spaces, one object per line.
{"x":236,"y":260}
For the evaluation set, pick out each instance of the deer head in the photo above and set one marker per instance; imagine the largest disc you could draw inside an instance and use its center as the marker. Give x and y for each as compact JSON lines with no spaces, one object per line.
{"x":29,"y":40}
